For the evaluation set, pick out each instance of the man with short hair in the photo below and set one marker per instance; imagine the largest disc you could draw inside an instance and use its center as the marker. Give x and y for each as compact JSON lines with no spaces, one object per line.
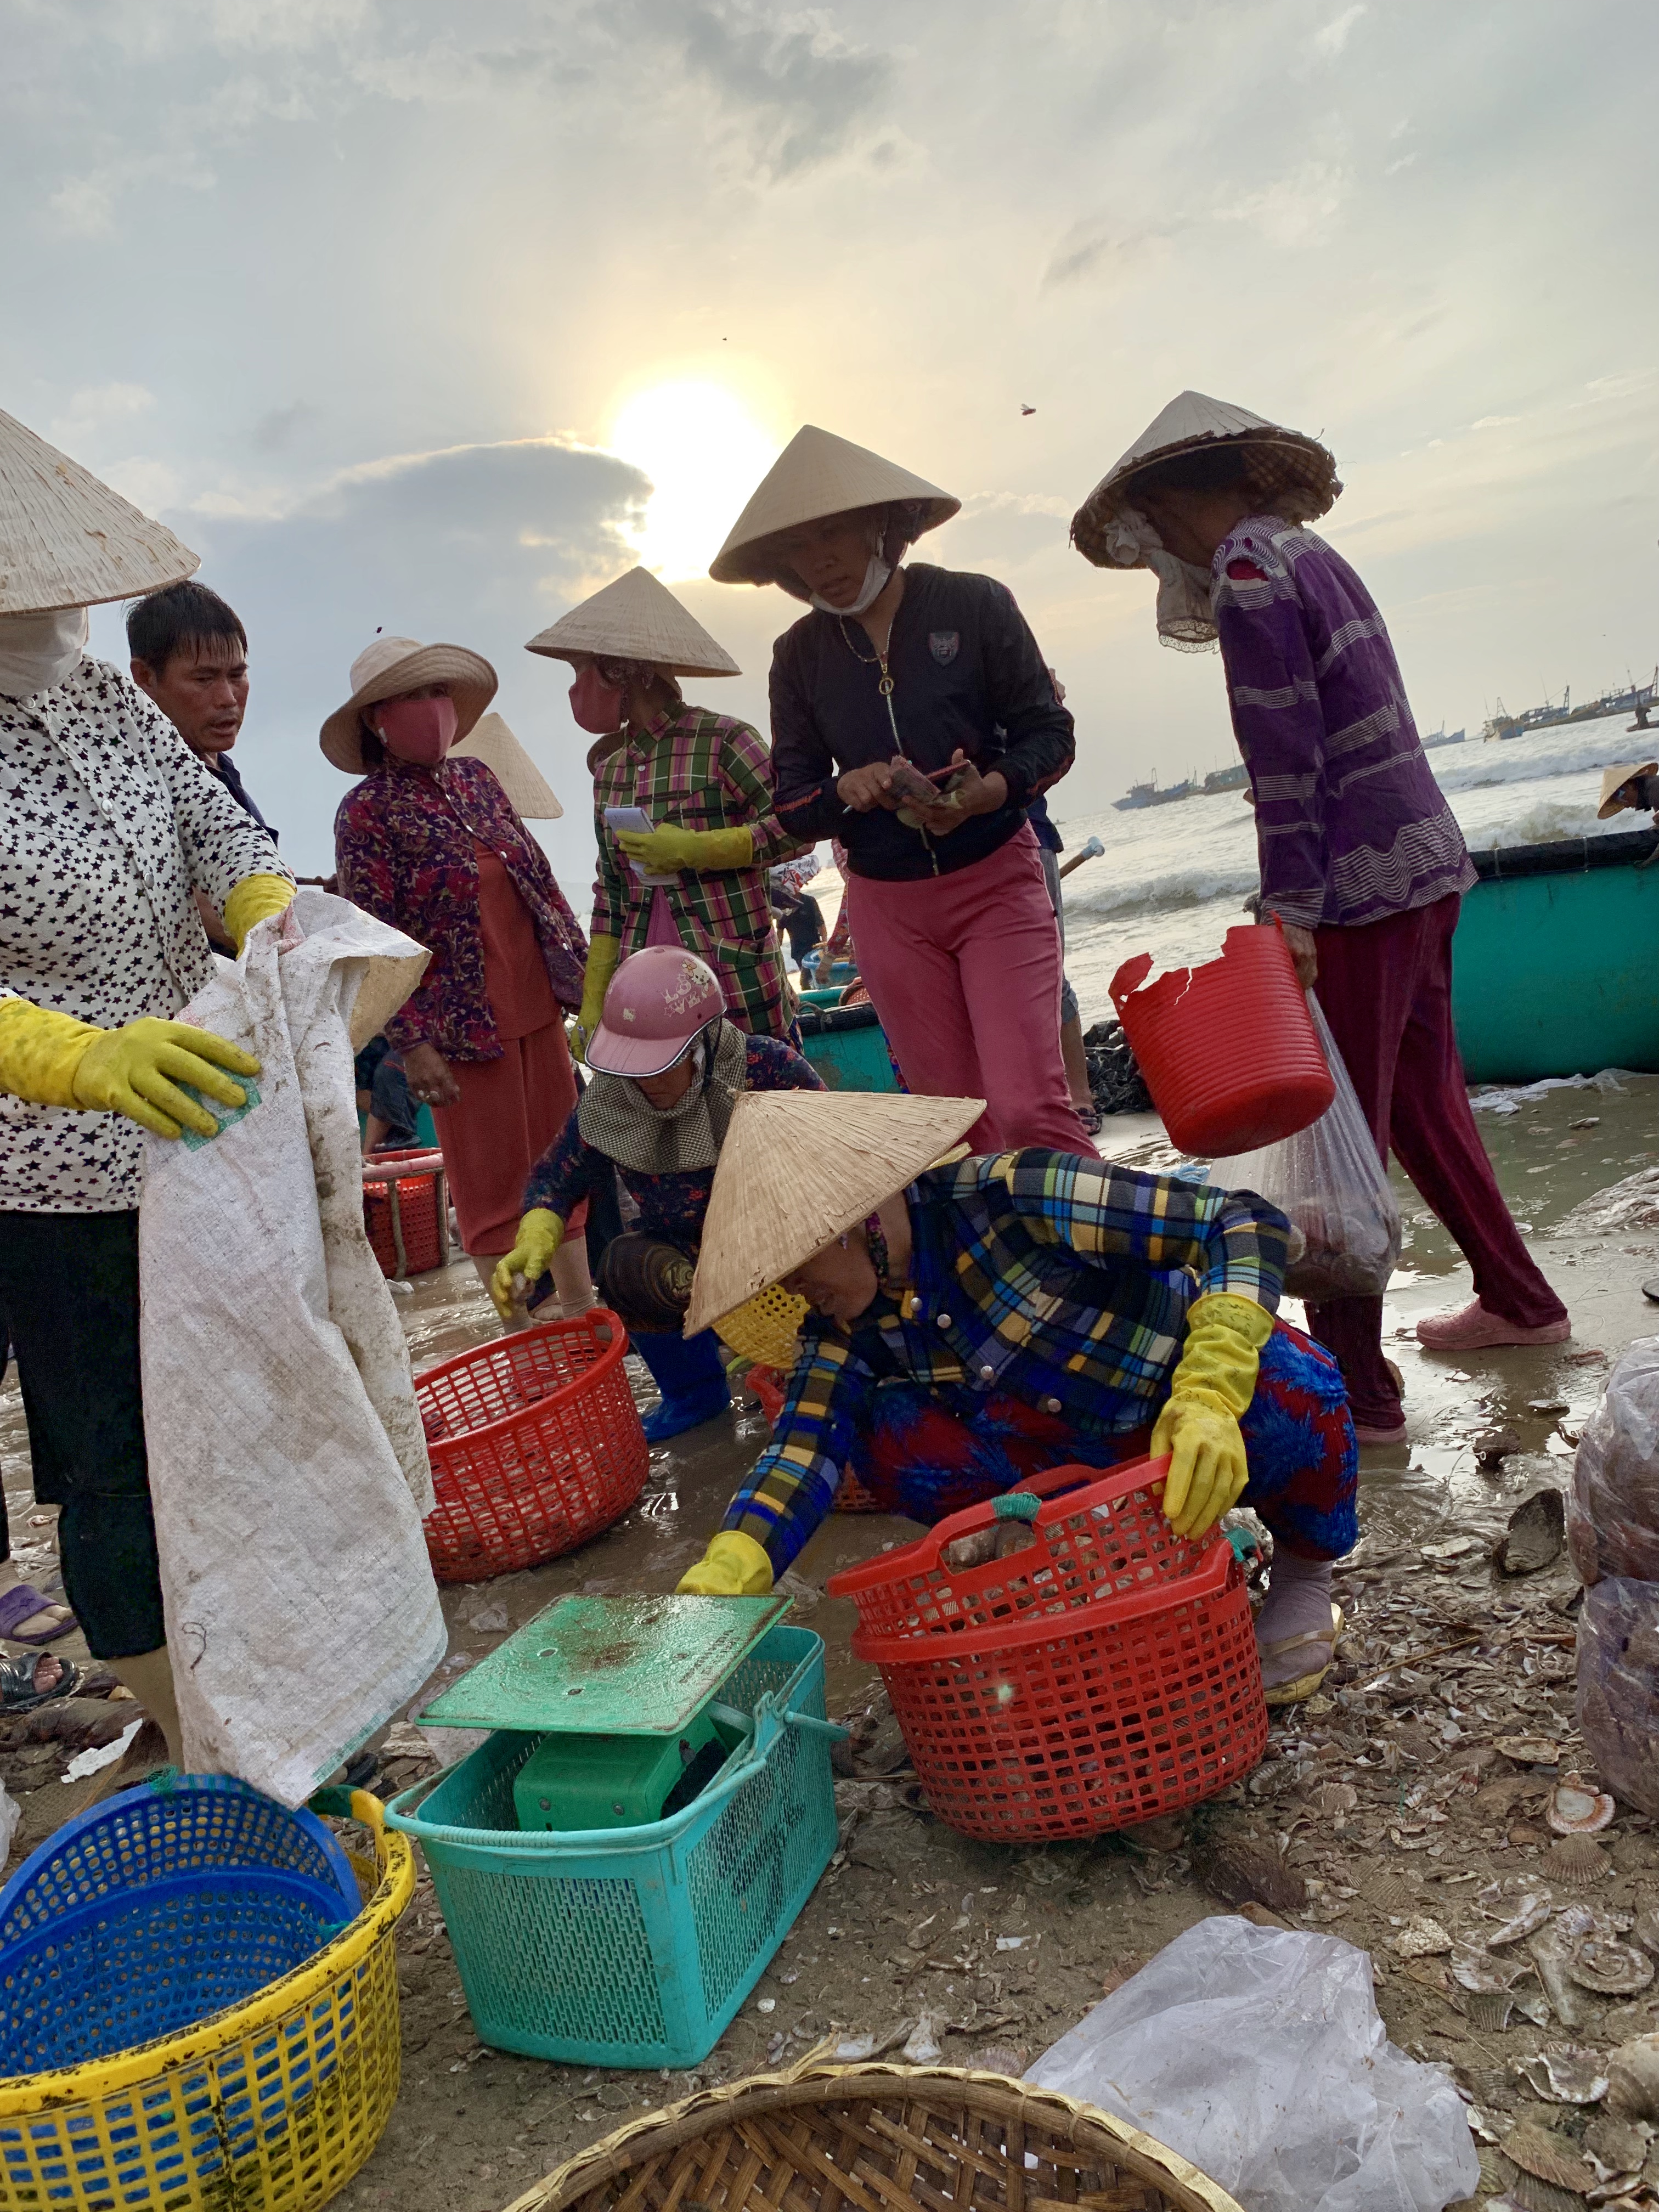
{"x":189,"y":657}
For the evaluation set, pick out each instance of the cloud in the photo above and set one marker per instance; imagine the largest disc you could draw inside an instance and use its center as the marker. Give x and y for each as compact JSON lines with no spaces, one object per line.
{"x":480,"y":546}
{"x":1331,"y":40}
{"x":274,"y":429}
{"x":1095,"y":247}
{"x":93,"y":410}
{"x":1297,"y":209}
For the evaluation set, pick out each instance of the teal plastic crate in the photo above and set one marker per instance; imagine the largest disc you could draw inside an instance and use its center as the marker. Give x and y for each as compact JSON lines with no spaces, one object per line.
{"x":634,"y":1947}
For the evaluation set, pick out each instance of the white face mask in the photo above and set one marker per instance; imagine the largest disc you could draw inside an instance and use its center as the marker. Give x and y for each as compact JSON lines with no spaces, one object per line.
{"x":875,"y":576}
{"x":39,"y":651}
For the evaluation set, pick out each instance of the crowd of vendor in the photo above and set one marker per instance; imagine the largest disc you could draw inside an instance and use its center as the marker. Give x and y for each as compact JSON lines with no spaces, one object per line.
{"x":945,"y":1327}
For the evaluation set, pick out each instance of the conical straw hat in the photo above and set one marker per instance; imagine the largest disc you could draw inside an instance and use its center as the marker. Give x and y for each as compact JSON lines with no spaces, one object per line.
{"x":1296,"y":469}
{"x":495,"y":745}
{"x":799,"y":1167}
{"x":67,"y":540}
{"x":815,"y":475}
{"x":635,"y":619}
{"x":389,"y":666}
{"x":1614,"y":780}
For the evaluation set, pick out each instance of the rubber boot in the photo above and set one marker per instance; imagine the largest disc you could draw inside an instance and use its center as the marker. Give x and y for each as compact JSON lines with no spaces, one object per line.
{"x":690,"y":1373}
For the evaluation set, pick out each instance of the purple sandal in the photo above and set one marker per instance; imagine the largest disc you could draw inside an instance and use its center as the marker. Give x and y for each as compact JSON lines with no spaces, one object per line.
{"x":21,"y":1603}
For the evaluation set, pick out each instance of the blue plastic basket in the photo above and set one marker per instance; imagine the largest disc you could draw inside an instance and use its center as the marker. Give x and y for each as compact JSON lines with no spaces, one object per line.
{"x":156,"y":1908}
{"x":634,"y":1947}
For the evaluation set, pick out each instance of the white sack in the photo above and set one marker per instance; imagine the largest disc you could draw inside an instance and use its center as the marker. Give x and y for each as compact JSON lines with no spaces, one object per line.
{"x":287,"y":1460}
{"x":1258,"y":2054}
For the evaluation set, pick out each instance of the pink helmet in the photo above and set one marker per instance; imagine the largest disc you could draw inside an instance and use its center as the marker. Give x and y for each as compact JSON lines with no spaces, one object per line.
{"x":660,"y":1002}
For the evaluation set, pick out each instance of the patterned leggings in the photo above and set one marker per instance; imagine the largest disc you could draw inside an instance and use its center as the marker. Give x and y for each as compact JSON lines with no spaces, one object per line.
{"x":928,"y":1453}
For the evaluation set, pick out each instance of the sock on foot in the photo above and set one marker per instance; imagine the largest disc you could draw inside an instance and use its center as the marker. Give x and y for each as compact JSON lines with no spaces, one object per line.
{"x":1297,"y":1603}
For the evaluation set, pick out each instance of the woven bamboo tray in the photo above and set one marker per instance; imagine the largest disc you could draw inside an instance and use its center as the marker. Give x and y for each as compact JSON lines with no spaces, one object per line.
{"x":877,"y":2138}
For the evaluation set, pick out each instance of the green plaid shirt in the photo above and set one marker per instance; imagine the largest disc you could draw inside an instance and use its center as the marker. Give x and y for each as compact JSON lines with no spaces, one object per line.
{"x":1062,"y":1281}
{"x":695,"y":770}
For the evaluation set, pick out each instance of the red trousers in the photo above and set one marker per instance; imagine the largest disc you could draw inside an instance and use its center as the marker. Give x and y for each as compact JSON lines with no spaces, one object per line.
{"x":510,"y":1110}
{"x":1385,"y":989}
{"x":964,"y":971}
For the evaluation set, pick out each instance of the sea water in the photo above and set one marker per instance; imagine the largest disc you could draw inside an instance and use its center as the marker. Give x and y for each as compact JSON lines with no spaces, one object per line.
{"x":1174,"y":879}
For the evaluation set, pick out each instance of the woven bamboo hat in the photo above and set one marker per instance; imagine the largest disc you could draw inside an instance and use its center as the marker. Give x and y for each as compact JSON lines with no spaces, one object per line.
{"x":799,"y":1167}
{"x":392,"y":665}
{"x":815,"y":475}
{"x":1614,"y":780}
{"x":1294,"y":472}
{"x":67,"y":540}
{"x":635,"y":619}
{"x":495,"y":745}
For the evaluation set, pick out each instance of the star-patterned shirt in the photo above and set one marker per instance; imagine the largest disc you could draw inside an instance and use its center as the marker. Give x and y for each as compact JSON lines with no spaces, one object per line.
{"x":108,"y":824}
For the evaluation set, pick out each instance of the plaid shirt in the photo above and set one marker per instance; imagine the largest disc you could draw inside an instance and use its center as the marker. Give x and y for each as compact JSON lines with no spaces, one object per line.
{"x":695,"y":770}
{"x":1061,"y":1281}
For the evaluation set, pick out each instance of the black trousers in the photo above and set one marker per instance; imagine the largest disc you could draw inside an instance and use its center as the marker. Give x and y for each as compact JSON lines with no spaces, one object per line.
{"x":69,"y":1299}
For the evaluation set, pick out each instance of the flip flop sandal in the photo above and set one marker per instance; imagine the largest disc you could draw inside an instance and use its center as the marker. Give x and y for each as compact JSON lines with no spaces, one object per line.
{"x":1091,"y":1119}
{"x":18,"y":1694}
{"x":1304,"y":1685}
{"x":21,"y":1603}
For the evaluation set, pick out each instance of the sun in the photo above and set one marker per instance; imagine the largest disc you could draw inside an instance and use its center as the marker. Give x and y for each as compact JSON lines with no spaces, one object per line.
{"x":704,"y":453}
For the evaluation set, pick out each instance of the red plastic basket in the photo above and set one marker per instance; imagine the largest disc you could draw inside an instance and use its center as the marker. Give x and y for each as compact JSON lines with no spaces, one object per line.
{"x":1105,"y":1675}
{"x":536,"y":1446}
{"x":1228,"y":1050}
{"x":406,"y":1210}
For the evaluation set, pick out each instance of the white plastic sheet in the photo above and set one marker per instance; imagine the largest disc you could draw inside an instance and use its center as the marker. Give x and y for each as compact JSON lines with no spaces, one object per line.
{"x":287,"y":1460}
{"x":1258,"y":2054}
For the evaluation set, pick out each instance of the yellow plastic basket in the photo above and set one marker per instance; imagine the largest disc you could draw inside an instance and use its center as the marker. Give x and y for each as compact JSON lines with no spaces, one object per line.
{"x":268,"y":2107}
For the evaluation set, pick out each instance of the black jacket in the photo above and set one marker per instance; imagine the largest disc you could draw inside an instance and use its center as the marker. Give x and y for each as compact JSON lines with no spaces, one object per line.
{"x":966,"y":672}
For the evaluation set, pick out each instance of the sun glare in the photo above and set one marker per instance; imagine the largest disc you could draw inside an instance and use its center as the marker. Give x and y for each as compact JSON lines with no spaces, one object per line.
{"x":704,"y":453}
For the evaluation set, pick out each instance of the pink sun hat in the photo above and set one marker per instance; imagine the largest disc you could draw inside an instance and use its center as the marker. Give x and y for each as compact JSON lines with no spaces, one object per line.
{"x":660,"y":1002}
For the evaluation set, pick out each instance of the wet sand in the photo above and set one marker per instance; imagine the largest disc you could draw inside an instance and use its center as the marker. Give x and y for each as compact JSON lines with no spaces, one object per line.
{"x":472,"y":2128}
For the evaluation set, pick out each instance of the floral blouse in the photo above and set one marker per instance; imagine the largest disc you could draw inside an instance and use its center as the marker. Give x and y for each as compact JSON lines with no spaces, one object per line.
{"x":108,"y":825}
{"x":403,"y":844}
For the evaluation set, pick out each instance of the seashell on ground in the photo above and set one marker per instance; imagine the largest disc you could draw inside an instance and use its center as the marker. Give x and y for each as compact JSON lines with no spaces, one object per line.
{"x":1420,"y":1938}
{"x":1619,"y":2144}
{"x":1487,"y":2008}
{"x":1647,"y":1928}
{"x":1241,"y":1872}
{"x":1577,"y":1860}
{"x":1008,"y":2059}
{"x":1392,"y":1893}
{"x":1533,"y":2195}
{"x":1633,"y":2078}
{"x":1567,"y":2077}
{"x":1573,"y":1808}
{"x":1527,"y":1750}
{"x":1546,"y":2157}
{"x":1492,"y":2086}
{"x":1530,"y":1914}
{"x":1480,"y":1970}
{"x":1537,"y":1534}
{"x":1615,"y":1970}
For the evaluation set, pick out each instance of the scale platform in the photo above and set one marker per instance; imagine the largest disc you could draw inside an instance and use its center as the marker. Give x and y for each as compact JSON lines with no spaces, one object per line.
{"x":609,"y":1666}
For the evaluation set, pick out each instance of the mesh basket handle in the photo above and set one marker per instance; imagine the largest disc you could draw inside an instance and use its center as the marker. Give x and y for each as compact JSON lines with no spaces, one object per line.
{"x":362,"y":1806}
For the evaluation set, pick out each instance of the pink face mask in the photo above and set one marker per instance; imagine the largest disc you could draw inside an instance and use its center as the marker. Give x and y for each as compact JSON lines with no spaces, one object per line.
{"x":597,"y":705}
{"x":420,"y":731}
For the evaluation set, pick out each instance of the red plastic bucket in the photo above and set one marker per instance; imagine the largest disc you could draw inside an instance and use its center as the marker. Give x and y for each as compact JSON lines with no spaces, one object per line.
{"x":1228,"y":1050}
{"x":407,"y":1210}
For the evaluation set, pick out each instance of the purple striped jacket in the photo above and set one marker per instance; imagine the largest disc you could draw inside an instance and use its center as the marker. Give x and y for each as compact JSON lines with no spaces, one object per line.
{"x":1350,"y":822}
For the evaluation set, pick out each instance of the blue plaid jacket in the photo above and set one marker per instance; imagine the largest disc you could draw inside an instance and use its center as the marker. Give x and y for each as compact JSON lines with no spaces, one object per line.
{"x":1062,"y":1281}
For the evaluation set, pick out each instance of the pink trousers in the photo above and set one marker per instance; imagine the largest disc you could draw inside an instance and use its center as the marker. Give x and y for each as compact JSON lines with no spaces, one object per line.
{"x":964,"y":971}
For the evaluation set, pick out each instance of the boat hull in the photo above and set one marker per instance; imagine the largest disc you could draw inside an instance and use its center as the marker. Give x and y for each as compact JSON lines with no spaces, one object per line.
{"x":1555,"y":965}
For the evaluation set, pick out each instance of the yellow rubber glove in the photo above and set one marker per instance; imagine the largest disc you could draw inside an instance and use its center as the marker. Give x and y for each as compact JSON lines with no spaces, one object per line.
{"x":252,"y":900}
{"x":670,"y":850}
{"x":603,"y":954}
{"x":1210,"y":1389}
{"x":52,"y":1060}
{"x":734,"y":1566}
{"x":540,"y":1235}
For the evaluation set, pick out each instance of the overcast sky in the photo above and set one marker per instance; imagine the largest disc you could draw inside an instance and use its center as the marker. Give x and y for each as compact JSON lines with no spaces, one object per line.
{"x":434,"y":319}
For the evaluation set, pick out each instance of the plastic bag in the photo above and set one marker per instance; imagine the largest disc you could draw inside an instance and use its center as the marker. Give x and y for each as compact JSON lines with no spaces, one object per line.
{"x":1618,"y":1686}
{"x":1328,"y":1179}
{"x":1258,"y":2054}
{"x":1613,"y":1509}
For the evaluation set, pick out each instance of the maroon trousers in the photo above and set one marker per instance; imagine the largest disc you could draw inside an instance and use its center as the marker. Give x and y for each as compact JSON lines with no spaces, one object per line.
{"x":1385,"y":989}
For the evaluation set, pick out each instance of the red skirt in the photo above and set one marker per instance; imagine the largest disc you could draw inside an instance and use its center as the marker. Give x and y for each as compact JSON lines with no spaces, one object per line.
{"x":509,"y":1111}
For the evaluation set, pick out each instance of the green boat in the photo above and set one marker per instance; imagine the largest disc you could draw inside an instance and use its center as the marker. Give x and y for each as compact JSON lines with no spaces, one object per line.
{"x":1555,"y":966}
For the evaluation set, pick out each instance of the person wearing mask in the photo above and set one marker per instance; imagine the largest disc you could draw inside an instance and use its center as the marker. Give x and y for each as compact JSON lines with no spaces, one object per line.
{"x":429,"y":841}
{"x":914,"y":719}
{"x":668,"y":1063}
{"x":977,"y":1321}
{"x":696,"y":876}
{"x":1363,"y":864}
{"x":111,"y":826}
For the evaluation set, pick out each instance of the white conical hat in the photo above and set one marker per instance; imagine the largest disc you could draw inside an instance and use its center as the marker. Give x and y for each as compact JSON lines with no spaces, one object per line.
{"x":815,"y":475}
{"x":799,"y":1167}
{"x":495,"y":745}
{"x":67,"y":540}
{"x":635,"y":619}
{"x":1296,"y":469}
{"x":388,"y":666}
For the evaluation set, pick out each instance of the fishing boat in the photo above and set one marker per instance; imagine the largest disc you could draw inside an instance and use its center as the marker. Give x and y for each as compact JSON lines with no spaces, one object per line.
{"x":1556,"y":964}
{"x":1226,"y":779}
{"x":1148,"y":794}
